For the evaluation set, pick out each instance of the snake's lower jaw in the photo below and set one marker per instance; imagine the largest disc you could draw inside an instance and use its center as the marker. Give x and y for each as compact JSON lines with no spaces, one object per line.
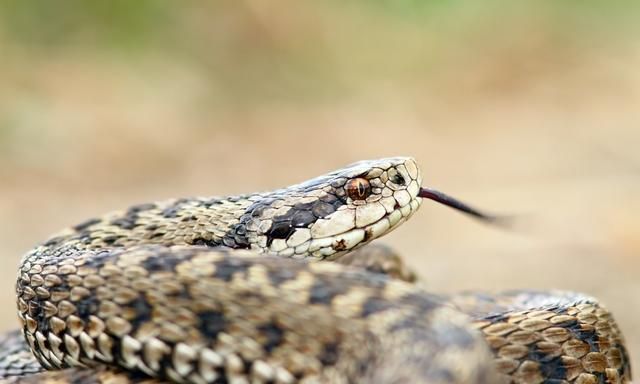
{"x":392,"y":221}
{"x":331,"y":248}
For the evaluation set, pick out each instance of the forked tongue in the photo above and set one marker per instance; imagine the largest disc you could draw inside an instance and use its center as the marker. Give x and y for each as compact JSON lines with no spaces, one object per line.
{"x":456,"y":204}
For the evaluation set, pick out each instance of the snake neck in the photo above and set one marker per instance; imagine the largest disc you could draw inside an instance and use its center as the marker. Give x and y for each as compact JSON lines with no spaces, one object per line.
{"x":208,"y":222}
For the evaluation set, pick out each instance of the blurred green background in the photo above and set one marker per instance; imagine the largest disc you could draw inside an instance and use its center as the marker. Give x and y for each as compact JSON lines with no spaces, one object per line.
{"x":528,"y":107}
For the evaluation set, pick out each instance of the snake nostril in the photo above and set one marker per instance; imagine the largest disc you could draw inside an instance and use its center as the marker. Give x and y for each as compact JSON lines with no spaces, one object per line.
{"x":398,"y":179}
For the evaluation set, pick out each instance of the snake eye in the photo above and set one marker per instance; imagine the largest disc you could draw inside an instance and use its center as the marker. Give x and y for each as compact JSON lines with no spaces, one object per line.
{"x":358,"y":189}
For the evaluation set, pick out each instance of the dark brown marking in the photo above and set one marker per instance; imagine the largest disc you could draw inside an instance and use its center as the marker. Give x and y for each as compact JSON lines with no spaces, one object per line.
{"x":339,"y":245}
{"x":274,"y":336}
{"x":86,"y":224}
{"x":368,"y":234}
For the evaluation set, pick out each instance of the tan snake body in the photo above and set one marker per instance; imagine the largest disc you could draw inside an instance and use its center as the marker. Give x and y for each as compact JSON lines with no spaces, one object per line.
{"x":206,"y":290}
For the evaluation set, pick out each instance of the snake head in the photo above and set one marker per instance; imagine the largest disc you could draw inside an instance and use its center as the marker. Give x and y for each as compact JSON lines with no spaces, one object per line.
{"x":332,"y":214}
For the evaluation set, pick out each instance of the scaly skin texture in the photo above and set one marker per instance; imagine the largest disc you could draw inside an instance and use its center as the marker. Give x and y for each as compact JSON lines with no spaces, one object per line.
{"x":539,"y":336}
{"x":208,"y":290}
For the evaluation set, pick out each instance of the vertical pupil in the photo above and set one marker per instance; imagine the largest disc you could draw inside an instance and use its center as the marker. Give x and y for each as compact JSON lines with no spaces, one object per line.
{"x":358,"y":189}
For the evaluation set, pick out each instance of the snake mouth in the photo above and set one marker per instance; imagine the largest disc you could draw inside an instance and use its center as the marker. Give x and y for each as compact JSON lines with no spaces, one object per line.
{"x":452,"y":202}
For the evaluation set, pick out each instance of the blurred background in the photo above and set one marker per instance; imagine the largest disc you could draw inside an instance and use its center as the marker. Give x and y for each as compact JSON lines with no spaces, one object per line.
{"x":528,"y":107}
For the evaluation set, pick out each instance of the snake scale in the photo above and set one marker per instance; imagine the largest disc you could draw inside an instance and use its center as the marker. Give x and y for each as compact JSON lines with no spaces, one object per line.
{"x":227,"y":290}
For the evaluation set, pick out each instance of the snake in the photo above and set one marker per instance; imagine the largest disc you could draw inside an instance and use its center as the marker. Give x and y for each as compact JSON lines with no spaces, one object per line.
{"x":279,"y":287}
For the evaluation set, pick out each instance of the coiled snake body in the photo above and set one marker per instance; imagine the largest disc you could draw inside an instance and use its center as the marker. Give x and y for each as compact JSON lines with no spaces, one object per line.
{"x":206,"y":290}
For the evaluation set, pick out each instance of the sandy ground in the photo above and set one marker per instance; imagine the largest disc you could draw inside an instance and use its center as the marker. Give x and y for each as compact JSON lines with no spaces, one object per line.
{"x":550,"y":139}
